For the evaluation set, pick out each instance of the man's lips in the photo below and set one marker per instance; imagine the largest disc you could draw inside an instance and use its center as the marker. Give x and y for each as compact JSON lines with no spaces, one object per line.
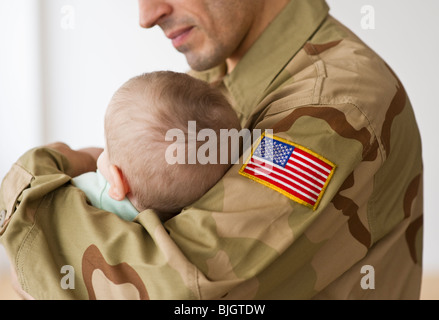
{"x":179,"y":36}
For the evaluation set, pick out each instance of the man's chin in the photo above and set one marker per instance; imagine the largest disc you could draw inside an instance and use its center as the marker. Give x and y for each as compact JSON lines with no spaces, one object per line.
{"x":202,"y":56}
{"x":201,"y":64}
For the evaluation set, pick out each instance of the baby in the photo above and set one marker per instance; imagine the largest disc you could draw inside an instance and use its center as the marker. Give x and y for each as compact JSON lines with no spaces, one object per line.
{"x":133,"y":173}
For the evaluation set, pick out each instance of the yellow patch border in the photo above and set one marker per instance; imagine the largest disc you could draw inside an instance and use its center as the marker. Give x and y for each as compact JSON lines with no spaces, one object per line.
{"x":273,"y":187}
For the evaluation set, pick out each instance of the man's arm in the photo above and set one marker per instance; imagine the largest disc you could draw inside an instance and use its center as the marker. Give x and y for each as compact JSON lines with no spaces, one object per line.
{"x":244,"y":239}
{"x":81,"y":161}
{"x":61,"y":247}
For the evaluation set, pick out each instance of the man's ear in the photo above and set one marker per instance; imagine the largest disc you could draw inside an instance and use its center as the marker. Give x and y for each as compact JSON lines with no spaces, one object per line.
{"x":119,"y":187}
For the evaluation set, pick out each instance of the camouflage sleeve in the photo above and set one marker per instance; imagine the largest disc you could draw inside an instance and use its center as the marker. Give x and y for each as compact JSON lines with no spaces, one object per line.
{"x":63,"y":248}
{"x":247,"y":238}
{"x":273,"y":235}
{"x":285,"y":235}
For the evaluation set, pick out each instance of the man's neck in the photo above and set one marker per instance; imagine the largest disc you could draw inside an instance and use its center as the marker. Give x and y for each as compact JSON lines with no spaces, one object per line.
{"x":268,"y":13}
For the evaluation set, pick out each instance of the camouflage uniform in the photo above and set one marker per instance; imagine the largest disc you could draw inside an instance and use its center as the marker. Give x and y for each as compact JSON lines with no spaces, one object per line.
{"x":320,"y":89}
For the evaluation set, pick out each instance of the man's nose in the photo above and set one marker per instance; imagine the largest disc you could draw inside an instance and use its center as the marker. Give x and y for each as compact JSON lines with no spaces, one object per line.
{"x":151,"y":11}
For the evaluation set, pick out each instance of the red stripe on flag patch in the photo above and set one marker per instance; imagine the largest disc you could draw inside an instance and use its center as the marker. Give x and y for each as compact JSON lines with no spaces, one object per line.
{"x":290,"y":169}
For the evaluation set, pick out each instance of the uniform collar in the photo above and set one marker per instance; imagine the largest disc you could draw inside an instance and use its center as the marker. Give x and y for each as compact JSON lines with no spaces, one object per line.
{"x":271,"y":52}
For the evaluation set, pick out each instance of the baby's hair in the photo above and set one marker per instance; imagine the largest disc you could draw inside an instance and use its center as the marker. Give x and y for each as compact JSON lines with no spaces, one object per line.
{"x":137,"y":120}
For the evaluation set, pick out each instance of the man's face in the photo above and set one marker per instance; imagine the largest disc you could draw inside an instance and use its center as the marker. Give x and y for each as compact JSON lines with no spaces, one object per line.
{"x":207,"y":32}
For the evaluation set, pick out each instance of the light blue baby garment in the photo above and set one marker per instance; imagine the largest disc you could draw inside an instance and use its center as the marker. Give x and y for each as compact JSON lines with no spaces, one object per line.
{"x":96,"y":187}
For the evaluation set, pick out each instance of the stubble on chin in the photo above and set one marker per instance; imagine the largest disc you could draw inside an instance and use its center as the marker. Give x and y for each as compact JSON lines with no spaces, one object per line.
{"x":204,"y":60}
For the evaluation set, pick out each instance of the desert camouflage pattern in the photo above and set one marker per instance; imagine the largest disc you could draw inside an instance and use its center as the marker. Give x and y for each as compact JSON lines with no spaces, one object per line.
{"x":314,"y":83}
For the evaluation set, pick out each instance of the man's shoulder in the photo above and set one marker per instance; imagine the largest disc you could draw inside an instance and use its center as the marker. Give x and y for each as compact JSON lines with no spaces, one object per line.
{"x":343,"y":68}
{"x":337,"y":70}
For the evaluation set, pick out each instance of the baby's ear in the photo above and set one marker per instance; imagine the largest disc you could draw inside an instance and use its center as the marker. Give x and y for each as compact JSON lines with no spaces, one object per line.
{"x":119,"y":187}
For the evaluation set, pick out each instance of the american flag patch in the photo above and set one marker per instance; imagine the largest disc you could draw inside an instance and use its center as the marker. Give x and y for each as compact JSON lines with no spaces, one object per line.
{"x":290,"y":169}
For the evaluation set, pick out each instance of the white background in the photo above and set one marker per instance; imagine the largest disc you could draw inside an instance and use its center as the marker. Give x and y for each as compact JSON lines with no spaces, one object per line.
{"x":61,"y":61}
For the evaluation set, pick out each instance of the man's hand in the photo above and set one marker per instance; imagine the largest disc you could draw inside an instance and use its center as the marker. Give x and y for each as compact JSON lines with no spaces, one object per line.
{"x":81,"y":161}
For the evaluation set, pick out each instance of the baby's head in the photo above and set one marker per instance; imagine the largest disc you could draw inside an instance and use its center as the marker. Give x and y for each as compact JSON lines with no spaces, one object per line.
{"x":138,"y":117}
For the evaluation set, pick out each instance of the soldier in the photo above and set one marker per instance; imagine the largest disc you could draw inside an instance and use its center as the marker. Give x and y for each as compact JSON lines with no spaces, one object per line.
{"x":327,"y":207}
